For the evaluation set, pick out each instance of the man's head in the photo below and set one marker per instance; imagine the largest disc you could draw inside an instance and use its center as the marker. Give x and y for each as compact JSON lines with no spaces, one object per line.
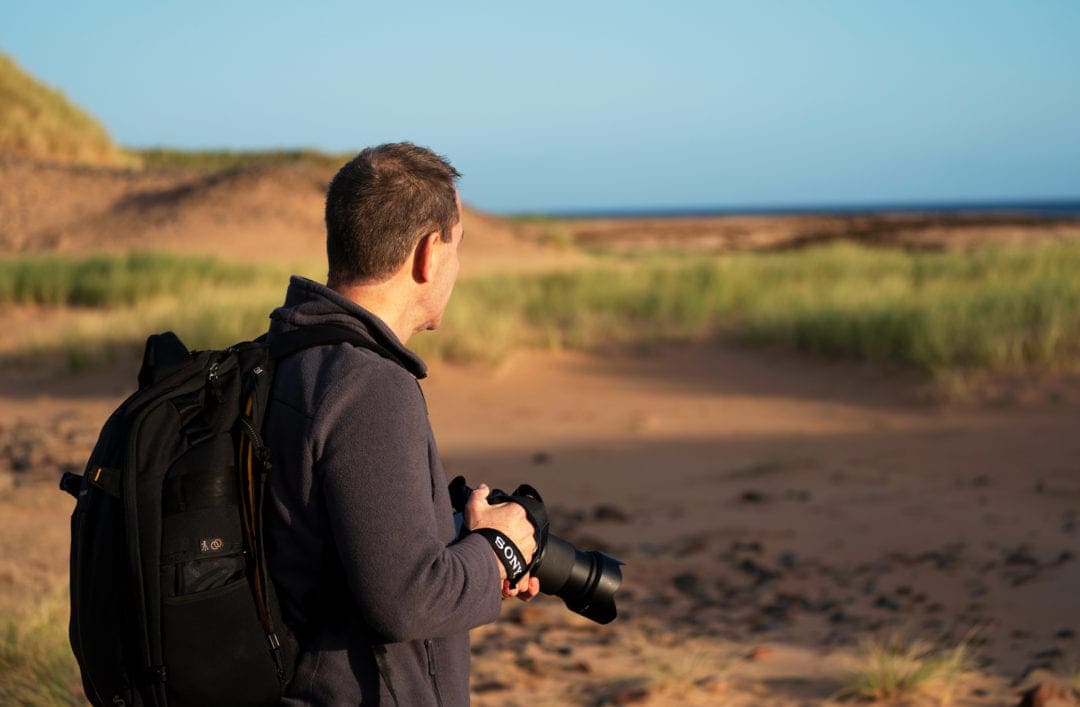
{"x":379,"y":207}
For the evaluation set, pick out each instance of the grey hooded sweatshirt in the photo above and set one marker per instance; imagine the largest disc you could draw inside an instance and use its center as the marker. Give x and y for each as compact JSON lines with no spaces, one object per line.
{"x":359,"y":528}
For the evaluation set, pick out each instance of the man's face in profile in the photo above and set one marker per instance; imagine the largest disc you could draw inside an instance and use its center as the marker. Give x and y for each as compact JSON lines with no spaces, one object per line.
{"x":447,"y":266}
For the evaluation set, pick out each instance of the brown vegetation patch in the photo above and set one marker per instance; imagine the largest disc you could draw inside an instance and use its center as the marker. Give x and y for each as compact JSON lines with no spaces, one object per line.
{"x":924,"y":231}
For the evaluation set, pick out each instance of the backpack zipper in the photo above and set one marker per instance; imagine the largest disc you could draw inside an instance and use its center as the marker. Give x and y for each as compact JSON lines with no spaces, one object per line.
{"x":139,"y":409}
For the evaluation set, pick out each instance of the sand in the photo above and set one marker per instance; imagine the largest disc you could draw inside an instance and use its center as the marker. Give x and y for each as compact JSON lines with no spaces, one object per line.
{"x":764,"y":505}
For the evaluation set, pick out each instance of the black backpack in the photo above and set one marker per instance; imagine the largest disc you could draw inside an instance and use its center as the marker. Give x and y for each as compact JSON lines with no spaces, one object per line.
{"x":171,"y":603}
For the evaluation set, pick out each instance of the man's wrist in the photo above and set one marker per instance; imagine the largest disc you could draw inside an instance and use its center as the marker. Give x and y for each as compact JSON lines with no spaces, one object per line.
{"x":512,"y":564}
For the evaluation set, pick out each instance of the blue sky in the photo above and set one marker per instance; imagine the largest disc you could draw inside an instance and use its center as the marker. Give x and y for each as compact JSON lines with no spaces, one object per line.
{"x":600,"y":105}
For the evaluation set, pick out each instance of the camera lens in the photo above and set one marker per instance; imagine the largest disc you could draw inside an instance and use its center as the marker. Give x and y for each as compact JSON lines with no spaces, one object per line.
{"x":585,"y":581}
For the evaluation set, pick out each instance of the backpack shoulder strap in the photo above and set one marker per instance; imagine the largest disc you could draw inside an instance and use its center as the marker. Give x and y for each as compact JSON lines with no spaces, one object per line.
{"x":307,"y":337}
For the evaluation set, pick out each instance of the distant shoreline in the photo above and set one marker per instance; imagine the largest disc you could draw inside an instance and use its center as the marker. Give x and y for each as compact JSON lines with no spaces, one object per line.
{"x":1049,"y":209}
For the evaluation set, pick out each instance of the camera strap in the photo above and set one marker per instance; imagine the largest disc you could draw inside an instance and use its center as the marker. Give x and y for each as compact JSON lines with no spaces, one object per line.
{"x":528,"y":498}
{"x":508,"y":553}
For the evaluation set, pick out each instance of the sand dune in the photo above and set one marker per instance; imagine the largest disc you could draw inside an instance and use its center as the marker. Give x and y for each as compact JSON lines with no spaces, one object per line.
{"x":273,"y":213}
{"x":258,"y":213}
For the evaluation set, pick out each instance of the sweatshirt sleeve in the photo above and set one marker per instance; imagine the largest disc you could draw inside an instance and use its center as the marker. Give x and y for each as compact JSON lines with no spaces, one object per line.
{"x":372,"y":455}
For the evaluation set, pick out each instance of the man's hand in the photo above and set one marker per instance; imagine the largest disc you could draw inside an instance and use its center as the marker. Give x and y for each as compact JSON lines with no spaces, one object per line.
{"x":509,"y":519}
{"x":526,"y":588}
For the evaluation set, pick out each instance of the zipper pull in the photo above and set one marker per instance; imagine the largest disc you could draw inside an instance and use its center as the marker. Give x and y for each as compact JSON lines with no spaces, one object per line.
{"x":214,"y":380}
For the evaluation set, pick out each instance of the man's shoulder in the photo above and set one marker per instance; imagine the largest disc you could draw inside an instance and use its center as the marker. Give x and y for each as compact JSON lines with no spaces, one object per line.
{"x":355,"y":368}
{"x":322,"y":380}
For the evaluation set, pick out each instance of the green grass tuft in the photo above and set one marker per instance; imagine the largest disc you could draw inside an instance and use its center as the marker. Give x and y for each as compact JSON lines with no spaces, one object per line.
{"x":896,"y":667}
{"x":103,"y":281}
{"x":36,"y":663}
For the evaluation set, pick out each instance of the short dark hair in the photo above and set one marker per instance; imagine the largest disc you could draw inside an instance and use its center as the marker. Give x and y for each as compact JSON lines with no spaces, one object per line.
{"x":380,"y":204}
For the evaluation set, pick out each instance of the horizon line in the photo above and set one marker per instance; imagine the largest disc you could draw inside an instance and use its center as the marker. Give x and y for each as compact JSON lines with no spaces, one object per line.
{"x":1062,"y":207}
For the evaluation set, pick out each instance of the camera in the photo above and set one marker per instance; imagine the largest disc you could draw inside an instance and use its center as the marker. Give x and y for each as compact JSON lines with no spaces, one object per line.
{"x":586,"y":580}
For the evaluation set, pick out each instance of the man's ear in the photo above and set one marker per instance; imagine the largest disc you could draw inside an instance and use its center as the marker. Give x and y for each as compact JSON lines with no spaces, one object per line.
{"x":424,"y":258}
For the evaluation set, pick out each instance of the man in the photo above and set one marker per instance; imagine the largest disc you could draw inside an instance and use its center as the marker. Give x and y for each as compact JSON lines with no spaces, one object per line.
{"x":371,"y":575}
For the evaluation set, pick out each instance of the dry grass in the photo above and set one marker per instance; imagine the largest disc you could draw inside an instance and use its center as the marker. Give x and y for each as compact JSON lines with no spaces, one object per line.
{"x":39,"y":121}
{"x":1000,"y":309}
{"x":673,"y":670}
{"x":996,"y":309}
{"x":218,"y":160}
{"x":36,"y":663}
{"x":203,"y":319}
{"x":896,"y":667}
{"x":104,"y":281}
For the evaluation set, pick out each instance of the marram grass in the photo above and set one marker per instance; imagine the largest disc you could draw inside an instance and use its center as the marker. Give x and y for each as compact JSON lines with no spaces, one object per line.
{"x":896,"y":667}
{"x":36,"y":663}
{"x":1004,"y":308}
{"x":992,"y":309}
{"x":103,"y":281}
{"x":39,"y":121}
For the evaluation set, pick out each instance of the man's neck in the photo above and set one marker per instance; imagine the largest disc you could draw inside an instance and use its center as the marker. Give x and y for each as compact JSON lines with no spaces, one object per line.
{"x":383,"y":299}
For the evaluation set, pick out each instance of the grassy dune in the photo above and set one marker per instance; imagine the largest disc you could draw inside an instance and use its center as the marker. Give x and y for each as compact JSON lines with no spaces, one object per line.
{"x":39,"y":121}
{"x":996,"y":309}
